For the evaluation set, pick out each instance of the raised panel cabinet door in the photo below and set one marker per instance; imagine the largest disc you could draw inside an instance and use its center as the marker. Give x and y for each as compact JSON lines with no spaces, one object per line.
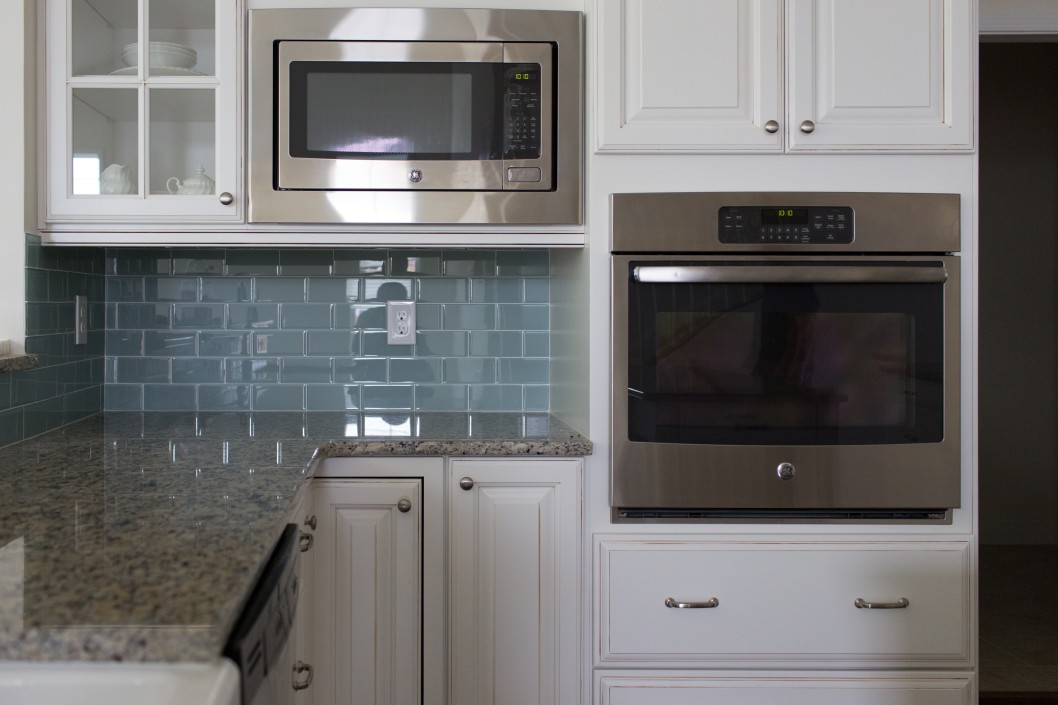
{"x":894,"y":75}
{"x":368,"y":607}
{"x":514,"y":556}
{"x":689,"y":75}
{"x":304,"y":654}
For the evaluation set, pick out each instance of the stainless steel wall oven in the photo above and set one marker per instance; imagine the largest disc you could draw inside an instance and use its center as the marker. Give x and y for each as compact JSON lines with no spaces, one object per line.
{"x":785,"y":357}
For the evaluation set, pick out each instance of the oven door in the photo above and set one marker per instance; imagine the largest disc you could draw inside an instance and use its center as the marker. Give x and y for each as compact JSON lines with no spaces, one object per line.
{"x":362,"y":115}
{"x":775,"y":385}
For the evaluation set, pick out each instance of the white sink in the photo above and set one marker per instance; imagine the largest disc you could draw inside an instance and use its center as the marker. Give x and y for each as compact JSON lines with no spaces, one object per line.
{"x":24,"y":683}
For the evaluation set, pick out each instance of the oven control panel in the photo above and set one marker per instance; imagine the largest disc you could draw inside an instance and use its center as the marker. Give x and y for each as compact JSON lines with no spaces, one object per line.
{"x":793,"y":225}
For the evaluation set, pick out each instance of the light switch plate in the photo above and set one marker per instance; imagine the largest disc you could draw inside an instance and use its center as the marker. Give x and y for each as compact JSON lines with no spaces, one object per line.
{"x":400,"y":322}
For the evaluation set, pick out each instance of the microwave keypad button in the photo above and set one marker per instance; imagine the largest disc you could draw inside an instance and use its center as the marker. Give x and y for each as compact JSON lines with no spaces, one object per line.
{"x":523,"y":174}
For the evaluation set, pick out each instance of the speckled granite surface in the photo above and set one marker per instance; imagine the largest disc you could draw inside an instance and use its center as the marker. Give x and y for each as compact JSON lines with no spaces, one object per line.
{"x":17,"y":363}
{"x":137,"y":537}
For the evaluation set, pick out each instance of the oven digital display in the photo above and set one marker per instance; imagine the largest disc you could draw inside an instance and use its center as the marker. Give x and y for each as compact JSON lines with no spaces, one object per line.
{"x":784,"y":216}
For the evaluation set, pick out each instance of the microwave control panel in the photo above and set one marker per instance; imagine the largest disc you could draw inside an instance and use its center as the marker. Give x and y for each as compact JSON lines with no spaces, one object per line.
{"x":521,"y":112}
{"x":794,"y":225}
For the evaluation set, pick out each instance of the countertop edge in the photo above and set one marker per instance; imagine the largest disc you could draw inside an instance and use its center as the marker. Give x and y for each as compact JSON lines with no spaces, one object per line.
{"x":18,"y":363}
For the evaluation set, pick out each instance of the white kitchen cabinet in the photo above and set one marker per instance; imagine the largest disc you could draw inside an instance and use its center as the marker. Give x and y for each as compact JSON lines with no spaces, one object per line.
{"x":771,"y":75}
{"x":515,"y":590}
{"x":142,"y":111}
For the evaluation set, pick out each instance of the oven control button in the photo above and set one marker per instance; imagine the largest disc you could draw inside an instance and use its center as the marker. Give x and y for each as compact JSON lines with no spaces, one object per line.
{"x":785,"y":471}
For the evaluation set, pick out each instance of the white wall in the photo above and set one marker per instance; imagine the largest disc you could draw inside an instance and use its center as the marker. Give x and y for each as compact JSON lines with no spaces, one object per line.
{"x":18,"y":171}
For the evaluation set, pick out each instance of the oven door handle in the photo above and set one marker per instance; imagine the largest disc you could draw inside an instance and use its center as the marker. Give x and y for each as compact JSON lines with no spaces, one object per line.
{"x":789,"y":274}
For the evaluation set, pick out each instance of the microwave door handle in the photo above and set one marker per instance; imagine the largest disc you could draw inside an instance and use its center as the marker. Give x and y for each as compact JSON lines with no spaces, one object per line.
{"x":788,"y":274}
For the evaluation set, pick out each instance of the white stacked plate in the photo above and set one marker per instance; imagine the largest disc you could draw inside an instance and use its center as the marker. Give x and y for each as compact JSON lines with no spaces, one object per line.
{"x":161,"y":55}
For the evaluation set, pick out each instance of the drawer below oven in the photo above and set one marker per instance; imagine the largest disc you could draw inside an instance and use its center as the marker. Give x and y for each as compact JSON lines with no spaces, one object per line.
{"x":792,"y":603}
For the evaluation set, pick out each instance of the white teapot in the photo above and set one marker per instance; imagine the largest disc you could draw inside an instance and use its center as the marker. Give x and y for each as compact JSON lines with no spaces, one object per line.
{"x":197,"y":185}
{"x":116,"y":178}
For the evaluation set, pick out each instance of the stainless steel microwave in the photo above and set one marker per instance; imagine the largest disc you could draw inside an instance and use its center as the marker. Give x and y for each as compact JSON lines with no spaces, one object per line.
{"x":415,"y":116}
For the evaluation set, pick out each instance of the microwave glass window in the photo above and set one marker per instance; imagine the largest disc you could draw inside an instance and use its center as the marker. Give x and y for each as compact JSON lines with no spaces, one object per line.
{"x":413,"y":110}
{"x":785,"y":364}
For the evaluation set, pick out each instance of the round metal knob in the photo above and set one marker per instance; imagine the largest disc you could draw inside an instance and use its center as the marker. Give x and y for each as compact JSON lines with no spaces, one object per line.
{"x":785,"y":471}
{"x":466,"y":483}
{"x":227,"y":199}
{"x":404,"y":505}
{"x":415,"y":176}
{"x":808,"y":127}
{"x":771,"y":127}
{"x":311,"y":522}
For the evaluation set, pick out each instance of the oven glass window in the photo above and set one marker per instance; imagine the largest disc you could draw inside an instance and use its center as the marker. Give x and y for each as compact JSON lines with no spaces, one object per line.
{"x":788,"y":364}
{"x":396,"y":110}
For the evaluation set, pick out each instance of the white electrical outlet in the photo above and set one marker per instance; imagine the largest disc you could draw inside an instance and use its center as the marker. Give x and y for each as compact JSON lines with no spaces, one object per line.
{"x":400,"y":322}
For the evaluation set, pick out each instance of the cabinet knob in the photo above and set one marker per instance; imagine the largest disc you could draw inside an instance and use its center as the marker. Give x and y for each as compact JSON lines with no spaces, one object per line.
{"x":299,"y":668}
{"x":808,"y":127}
{"x":227,"y":199}
{"x":305,"y":541}
{"x":771,"y":127}
{"x":404,"y":505}
{"x":311,"y":522}
{"x":466,"y":483}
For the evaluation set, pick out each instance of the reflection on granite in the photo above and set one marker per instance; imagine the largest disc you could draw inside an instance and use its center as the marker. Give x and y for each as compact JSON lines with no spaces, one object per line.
{"x":139,"y":536}
{"x":18,"y":363}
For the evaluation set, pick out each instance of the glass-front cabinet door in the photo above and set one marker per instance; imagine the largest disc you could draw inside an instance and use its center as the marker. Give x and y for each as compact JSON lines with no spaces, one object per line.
{"x":142,"y":111}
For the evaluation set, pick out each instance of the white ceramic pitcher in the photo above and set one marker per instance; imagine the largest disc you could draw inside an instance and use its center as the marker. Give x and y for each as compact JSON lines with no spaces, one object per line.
{"x":116,"y":178}
{"x":197,"y":185}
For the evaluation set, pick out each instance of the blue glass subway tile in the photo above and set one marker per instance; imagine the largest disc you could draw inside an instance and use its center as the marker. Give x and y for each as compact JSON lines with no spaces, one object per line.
{"x":443,"y":343}
{"x":82,"y":403}
{"x":65,"y":316}
{"x":523,"y":370}
{"x":246,"y":370}
{"x":468,"y":263}
{"x":495,"y":343}
{"x":204,"y":262}
{"x":442,"y":291}
{"x":279,"y":397}
{"x":51,"y":349}
{"x":155,"y":316}
{"x":11,"y":428}
{"x":223,"y":397}
{"x":522,"y":263}
{"x":303,"y":316}
{"x":253,"y":316}
{"x":5,"y":392}
{"x":36,"y":285}
{"x":386,"y":396}
{"x":372,"y":369}
{"x":43,"y":416}
{"x":360,"y":316}
{"x":137,"y":370}
{"x":163,"y":343}
{"x":537,"y":398}
{"x":441,"y":397}
{"x":41,"y":318}
{"x":494,"y":291}
{"x":537,"y":291}
{"x":537,"y":344}
{"x":170,"y":289}
{"x":422,"y":263}
{"x":33,"y":247}
{"x":288,"y":342}
{"x":169,"y":397}
{"x":373,"y":344}
{"x":305,"y":369}
{"x":198,"y":316}
{"x":387,"y":289}
{"x":123,"y":397}
{"x":34,"y":385}
{"x":469,"y":317}
{"x":58,"y":286}
{"x":332,"y":397}
{"x":194,"y":370}
{"x":223,"y":344}
{"x":124,"y":342}
{"x":281,"y":289}
{"x":333,"y":289}
{"x":428,"y":316}
{"x":496,"y":397}
{"x":523,"y":317}
{"x":97,"y":315}
{"x":123,"y":261}
{"x":313,"y":262}
{"x":402,"y":369}
{"x":225,"y":289}
{"x":329,"y":342}
{"x":360,"y":262}
{"x":469,"y":370}
{"x":242,"y":262}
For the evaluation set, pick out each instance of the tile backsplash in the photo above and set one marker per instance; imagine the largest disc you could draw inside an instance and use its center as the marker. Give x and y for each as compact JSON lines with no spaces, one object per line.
{"x":286,"y":329}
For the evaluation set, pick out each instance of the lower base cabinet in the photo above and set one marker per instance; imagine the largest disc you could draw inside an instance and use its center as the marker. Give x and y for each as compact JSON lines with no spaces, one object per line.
{"x":385,"y":626}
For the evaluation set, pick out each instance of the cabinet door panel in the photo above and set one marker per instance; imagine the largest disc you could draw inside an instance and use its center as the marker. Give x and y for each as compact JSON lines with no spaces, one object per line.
{"x":880,"y":75}
{"x":688,"y":75}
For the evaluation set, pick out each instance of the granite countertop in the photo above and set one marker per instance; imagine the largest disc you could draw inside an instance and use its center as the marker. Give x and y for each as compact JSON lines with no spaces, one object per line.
{"x":138,"y":537}
{"x":18,"y":363}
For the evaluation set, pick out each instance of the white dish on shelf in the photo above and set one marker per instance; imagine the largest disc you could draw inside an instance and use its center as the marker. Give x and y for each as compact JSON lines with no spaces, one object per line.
{"x":157,"y":71}
{"x":161,"y":54}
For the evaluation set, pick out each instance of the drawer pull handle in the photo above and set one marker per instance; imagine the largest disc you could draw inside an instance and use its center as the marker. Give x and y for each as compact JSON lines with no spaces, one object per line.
{"x":708,"y":604}
{"x":900,"y":604}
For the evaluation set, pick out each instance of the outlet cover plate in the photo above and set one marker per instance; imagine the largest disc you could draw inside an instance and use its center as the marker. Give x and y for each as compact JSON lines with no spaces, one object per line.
{"x":400,"y":322}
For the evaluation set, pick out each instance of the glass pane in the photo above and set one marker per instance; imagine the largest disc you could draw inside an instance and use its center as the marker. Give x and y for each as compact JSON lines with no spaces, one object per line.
{"x":182,"y":37}
{"x":101,"y":29}
{"x":104,"y":141}
{"x":182,"y":135}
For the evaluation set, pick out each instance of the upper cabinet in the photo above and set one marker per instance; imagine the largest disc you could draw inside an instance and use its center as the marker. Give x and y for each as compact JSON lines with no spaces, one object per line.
{"x":801,"y":75}
{"x":142,"y":111}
